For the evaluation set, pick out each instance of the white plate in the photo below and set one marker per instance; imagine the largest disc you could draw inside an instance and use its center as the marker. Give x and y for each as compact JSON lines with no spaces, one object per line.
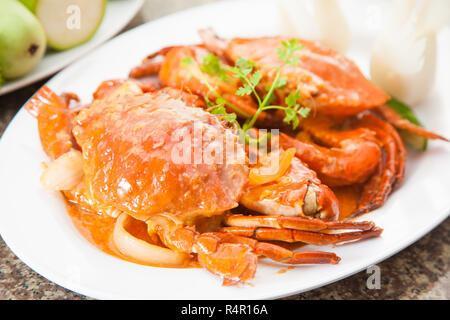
{"x":118,"y":14}
{"x":34,"y":224}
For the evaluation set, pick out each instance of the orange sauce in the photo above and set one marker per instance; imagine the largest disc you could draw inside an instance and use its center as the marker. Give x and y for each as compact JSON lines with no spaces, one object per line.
{"x":348,"y":199}
{"x":281,"y":271}
{"x":98,"y":230}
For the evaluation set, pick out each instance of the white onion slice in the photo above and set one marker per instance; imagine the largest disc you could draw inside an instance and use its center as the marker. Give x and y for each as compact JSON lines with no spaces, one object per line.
{"x":142,"y":251}
{"x":64,"y":173}
{"x":316,"y":20}
{"x":404,"y":57}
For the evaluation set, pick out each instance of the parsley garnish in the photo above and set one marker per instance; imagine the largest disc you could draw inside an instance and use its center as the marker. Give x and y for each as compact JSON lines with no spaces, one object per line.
{"x":212,"y":66}
{"x":222,"y":112}
{"x":187,"y":61}
{"x":244,"y":70}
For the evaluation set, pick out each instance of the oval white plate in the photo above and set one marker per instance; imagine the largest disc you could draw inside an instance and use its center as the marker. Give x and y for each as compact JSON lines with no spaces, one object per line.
{"x":34,"y":224}
{"x":118,"y":14}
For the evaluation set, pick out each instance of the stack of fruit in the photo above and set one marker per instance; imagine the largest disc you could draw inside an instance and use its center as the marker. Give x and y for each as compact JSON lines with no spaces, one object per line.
{"x":27,"y":27}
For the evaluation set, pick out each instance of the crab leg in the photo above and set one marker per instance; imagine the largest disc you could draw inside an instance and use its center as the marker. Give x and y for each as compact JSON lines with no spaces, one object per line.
{"x":278,"y":253}
{"x":303,"y":229}
{"x":291,"y":235}
{"x":297,"y":223}
{"x":391,"y":171}
{"x":348,"y":164}
{"x":230,"y":256}
{"x":149,"y":65}
{"x":52,"y":113}
{"x":391,"y":116}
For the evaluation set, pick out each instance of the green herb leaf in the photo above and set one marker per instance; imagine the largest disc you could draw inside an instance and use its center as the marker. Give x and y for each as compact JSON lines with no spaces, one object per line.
{"x":245,"y":71}
{"x":187,"y":61}
{"x":231,"y":117}
{"x":292,"y":98}
{"x":208,"y":102}
{"x":224,"y":115}
{"x":407,"y":113}
{"x":280,"y":83}
{"x":403,"y":111}
{"x":221,"y":100}
{"x":213,"y":66}
{"x":219,"y":109}
{"x":244,"y":90}
{"x":304,"y":112}
{"x":255,"y":78}
{"x":291,"y":118}
{"x":244,"y":66}
{"x":286,"y":53}
{"x":293,"y":109}
{"x":291,"y":114}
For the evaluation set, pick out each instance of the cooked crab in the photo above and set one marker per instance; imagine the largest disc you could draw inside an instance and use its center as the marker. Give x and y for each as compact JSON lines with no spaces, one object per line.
{"x":346,"y":139}
{"x":135,"y":155}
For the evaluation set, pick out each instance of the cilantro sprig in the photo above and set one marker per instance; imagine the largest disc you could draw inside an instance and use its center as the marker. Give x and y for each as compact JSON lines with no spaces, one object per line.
{"x":224,"y":115}
{"x":212,"y":65}
{"x":250,"y":78}
{"x":244,"y":70}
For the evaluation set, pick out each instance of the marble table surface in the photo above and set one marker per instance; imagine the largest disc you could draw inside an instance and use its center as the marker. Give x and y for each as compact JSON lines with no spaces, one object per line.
{"x":422,"y":271}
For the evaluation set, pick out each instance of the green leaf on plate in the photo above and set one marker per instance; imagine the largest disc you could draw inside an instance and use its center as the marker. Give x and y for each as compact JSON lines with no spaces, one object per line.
{"x":415,"y":141}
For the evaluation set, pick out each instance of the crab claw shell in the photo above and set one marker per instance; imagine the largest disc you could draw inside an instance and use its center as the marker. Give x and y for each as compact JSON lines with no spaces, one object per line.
{"x":232,"y":261}
{"x":52,"y":113}
{"x":297,"y":193}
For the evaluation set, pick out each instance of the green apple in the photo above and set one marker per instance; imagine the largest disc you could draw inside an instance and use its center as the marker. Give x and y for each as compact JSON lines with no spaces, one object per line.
{"x":69,"y":23}
{"x":22,"y":40}
{"x":30,"y":4}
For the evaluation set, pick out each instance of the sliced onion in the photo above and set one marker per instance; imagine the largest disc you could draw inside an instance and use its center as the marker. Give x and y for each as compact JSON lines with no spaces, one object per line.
{"x":404,"y":57}
{"x":142,"y":251}
{"x":317,"y":20}
{"x":266,"y":174}
{"x":64,"y":173}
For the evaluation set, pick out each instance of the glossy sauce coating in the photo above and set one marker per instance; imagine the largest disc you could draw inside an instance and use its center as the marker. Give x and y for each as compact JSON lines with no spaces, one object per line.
{"x":329,"y":82}
{"x":348,"y":199}
{"x":98,"y":230}
{"x":136,"y":159}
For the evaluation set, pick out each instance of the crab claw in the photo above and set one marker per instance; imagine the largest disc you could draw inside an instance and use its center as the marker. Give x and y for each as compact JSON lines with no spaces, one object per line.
{"x":54,"y":123}
{"x":234,"y":262}
{"x":235,"y":258}
{"x":299,"y":229}
{"x":230,"y":256}
{"x":297,"y":192}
